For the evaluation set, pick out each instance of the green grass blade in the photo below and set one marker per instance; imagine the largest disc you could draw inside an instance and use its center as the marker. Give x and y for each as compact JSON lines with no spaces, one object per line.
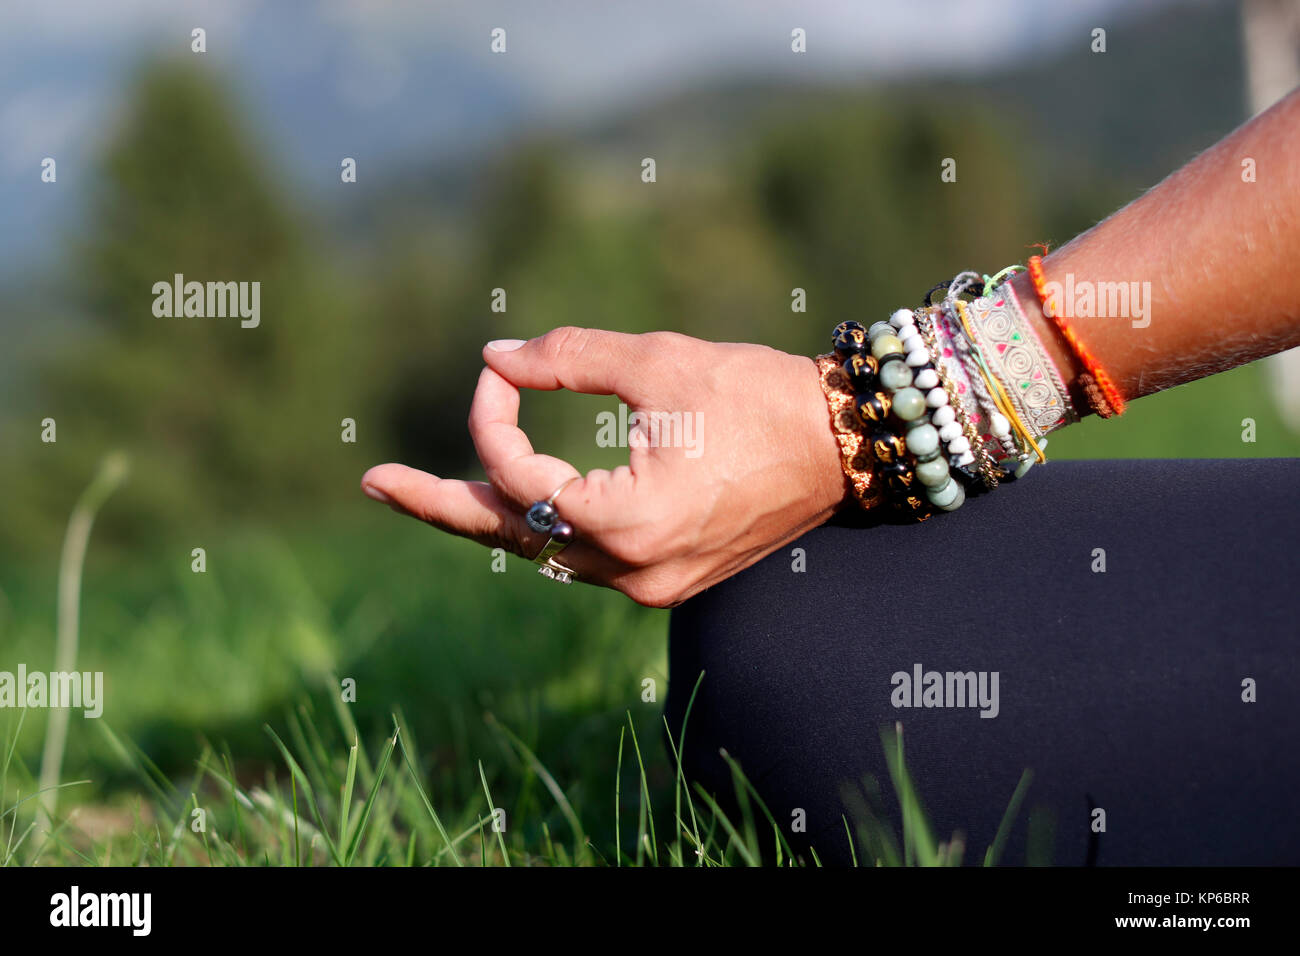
{"x":297,"y":843}
{"x":428,"y":805}
{"x":113,"y":470}
{"x":919,"y":845}
{"x":994,"y":852}
{"x":727,"y":825}
{"x":9,"y":756}
{"x":138,"y":761}
{"x":307,"y":790}
{"x":742,"y":798}
{"x":351,"y":853}
{"x":647,"y":817}
{"x":345,"y":803}
{"x":741,"y":781}
{"x":678,"y":749}
{"x":549,"y":781}
{"x":618,"y":796}
{"x":492,"y":815}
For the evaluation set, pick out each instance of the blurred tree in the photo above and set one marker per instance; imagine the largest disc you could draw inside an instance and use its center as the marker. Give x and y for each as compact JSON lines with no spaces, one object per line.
{"x":855,"y":190}
{"x":221,"y":420}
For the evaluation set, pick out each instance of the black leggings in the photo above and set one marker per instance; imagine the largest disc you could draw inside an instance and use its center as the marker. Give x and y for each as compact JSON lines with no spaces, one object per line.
{"x":1122,"y":691}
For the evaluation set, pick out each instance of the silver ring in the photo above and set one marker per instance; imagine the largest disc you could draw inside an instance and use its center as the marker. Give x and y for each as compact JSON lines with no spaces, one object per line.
{"x":564,"y":484}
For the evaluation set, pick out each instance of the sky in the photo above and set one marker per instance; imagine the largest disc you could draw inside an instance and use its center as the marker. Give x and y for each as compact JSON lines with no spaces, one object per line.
{"x":418,"y":79}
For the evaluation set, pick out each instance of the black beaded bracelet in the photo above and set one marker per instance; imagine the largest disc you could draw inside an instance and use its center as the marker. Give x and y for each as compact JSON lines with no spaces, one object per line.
{"x":883,"y":430}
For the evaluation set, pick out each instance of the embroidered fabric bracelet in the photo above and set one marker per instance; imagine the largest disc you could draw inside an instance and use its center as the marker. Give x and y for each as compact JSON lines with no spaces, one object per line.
{"x":1015,"y":354}
{"x":1004,"y":411}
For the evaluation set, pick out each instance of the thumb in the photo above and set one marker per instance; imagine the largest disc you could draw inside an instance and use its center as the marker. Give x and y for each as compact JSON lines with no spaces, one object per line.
{"x":591,"y":361}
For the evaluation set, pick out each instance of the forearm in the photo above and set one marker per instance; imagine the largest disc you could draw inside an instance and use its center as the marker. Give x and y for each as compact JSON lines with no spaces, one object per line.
{"x":1217,"y":254}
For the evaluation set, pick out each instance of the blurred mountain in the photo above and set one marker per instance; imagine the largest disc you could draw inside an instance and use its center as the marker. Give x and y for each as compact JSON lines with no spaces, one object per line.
{"x":1169,"y":84}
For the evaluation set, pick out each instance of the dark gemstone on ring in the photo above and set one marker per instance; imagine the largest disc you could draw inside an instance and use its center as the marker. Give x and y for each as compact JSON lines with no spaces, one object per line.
{"x":541,"y":516}
{"x":562,"y":532}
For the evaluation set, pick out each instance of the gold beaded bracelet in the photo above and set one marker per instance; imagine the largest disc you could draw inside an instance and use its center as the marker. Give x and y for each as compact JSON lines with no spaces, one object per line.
{"x":856,"y":456}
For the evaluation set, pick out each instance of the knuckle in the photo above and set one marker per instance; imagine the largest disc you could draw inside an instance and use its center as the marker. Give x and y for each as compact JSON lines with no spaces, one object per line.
{"x":660,"y":350}
{"x":664,"y":339}
{"x":565,"y":339}
{"x":663,"y":357}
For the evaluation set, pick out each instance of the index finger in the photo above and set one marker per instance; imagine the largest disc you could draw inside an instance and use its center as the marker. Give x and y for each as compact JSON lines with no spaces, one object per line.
{"x":521,"y":476}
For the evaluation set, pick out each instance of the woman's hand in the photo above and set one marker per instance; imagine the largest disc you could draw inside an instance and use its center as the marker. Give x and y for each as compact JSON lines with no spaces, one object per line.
{"x":674,"y":520}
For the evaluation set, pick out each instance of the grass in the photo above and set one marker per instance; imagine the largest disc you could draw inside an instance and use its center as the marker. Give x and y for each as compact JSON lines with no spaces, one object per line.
{"x":303,"y":811}
{"x":272,"y":630}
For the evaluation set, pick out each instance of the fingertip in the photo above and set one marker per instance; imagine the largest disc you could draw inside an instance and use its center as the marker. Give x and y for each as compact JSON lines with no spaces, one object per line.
{"x":499,"y":347}
{"x":492,"y":377}
{"x":499,"y":364}
{"x":374,"y":493}
{"x":379,"y":482}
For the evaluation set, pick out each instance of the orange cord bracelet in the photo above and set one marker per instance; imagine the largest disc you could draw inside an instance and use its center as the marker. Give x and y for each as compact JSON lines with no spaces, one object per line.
{"x":1097,"y":385}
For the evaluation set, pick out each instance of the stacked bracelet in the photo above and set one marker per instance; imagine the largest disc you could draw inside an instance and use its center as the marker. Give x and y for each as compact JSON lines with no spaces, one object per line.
{"x":947,"y":400}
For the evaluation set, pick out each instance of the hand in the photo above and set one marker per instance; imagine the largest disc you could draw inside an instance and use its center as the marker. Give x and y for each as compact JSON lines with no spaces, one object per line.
{"x":674,"y":520}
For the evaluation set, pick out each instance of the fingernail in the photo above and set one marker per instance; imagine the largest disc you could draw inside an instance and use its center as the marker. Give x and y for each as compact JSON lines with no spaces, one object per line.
{"x":373,"y":492}
{"x":505,"y":345}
